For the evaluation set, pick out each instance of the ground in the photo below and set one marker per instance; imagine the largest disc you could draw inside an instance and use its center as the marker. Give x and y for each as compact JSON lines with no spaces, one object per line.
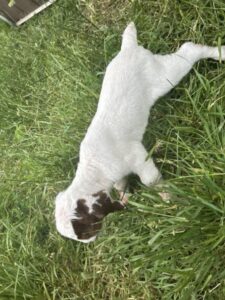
{"x":50,"y":78}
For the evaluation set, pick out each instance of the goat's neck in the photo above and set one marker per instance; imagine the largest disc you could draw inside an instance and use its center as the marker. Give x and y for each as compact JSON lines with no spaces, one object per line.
{"x":90,"y":180}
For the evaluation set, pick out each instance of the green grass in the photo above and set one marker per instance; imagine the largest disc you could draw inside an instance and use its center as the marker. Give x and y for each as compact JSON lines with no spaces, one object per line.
{"x":51,"y":70}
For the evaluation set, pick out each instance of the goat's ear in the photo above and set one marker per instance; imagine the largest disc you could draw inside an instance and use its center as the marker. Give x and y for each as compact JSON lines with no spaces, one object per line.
{"x":117,"y":206}
{"x":86,"y":224}
{"x":104,"y":205}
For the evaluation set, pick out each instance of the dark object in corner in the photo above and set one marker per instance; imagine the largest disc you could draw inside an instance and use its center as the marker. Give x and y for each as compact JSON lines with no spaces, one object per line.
{"x":21,"y":10}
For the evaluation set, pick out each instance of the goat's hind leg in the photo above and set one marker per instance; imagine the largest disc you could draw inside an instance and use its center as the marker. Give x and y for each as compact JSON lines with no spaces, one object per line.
{"x":176,"y":65}
{"x":194,"y":52}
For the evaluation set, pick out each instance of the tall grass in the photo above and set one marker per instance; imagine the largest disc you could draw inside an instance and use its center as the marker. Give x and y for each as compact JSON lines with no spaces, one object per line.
{"x":50,"y":78}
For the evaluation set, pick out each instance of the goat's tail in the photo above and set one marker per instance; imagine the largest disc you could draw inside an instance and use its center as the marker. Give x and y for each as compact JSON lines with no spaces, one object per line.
{"x":129,"y":37}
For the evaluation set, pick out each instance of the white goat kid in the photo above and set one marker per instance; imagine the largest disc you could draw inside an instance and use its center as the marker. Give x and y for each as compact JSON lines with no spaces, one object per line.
{"x":112,"y":147}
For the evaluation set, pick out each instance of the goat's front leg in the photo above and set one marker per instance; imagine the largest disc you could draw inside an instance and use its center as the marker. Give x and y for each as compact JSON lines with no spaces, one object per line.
{"x":173,"y":67}
{"x":140,"y":165}
{"x":120,"y":186}
{"x":148,"y":172}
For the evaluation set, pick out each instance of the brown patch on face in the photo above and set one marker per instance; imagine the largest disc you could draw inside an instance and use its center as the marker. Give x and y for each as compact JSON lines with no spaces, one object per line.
{"x":89,"y":224}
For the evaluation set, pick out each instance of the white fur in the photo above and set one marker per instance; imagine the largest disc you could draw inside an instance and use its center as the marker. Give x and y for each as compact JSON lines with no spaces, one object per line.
{"x":112,"y":147}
